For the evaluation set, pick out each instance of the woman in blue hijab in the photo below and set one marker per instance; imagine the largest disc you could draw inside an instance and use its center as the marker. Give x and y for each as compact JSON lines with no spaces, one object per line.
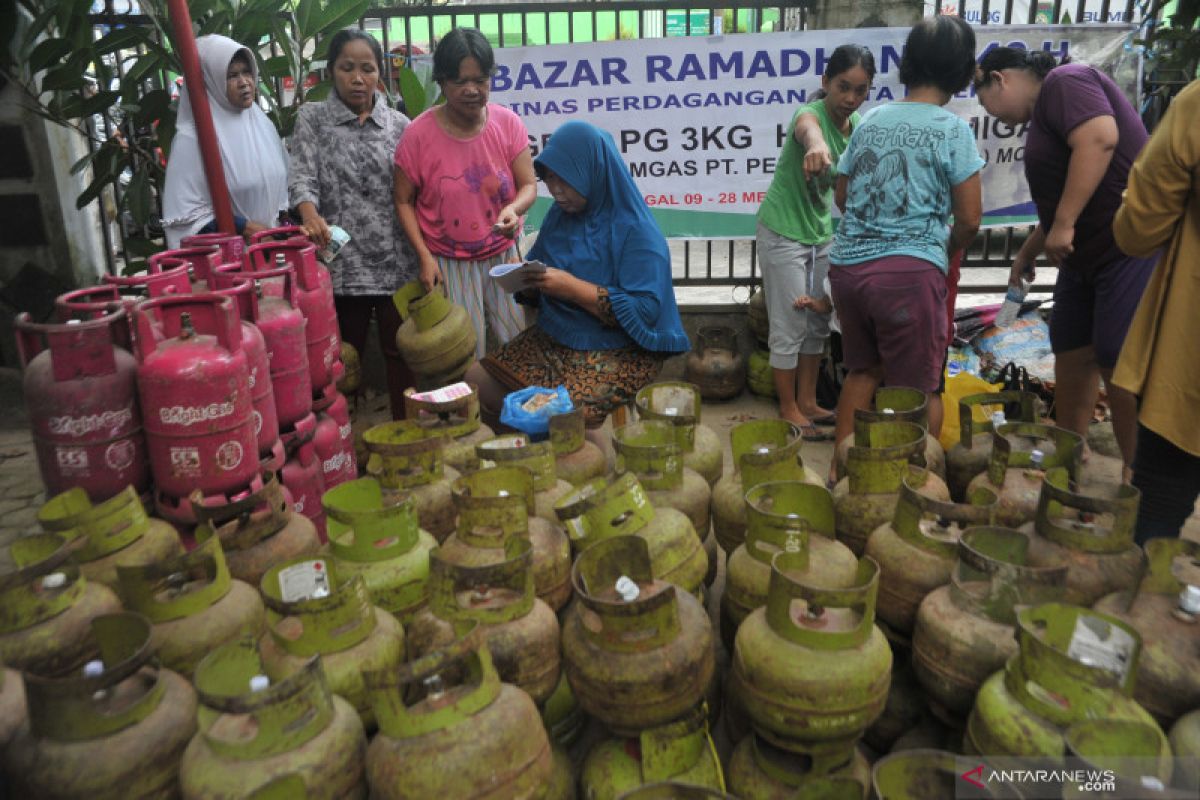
{"x":606,"y":307}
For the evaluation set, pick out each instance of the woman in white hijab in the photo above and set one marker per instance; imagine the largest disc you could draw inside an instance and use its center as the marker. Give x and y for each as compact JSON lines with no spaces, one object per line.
{"x":251,"y":151}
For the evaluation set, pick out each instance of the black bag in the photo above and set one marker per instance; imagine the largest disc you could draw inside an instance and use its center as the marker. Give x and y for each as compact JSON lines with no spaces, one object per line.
{"x":1018,"y":379}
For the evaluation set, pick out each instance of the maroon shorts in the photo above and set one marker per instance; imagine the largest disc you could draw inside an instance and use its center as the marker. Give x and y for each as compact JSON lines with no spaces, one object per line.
{"x":893,"y":315}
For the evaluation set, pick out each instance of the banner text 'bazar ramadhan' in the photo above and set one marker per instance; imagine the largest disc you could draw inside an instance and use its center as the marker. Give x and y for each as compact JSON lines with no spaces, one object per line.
{"x":700,"y":122}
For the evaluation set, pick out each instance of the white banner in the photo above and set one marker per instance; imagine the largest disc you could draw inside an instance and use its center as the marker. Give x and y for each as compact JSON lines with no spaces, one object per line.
{"x":700,"y":121}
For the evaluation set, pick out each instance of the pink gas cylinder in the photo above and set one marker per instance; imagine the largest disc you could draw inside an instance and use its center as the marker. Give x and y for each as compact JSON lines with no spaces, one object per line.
{"x":301,"y":476}
{"x":282,"y":325}
{"x":194,"y":387}
{"x":334,"y":439}
{"x":81,"y":392}
{"x":168,"y":276}
{"x":315,"y":293}
{"x":201,"y":260}
{"x":231,"y":245}
{"x":94,"y":302}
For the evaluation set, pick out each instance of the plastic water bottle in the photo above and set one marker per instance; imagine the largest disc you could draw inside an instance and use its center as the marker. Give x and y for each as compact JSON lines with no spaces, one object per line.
{"x":1011,"y":307}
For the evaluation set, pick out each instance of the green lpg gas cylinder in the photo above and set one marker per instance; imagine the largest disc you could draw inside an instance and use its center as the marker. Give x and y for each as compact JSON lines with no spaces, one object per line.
{"x":875,"y":470}
{"x":254,"y":730}
{"x":576,"y":460}
{"x":376,"y":535}
{"x":407,"y":458}
{"x":916,"y":549}
{"x":115,"y":532}
{"x":1021,"y":454}
{"x":47,"y":606}
{"x":561,"y":714}
{"x":763,"y":450}
{"x":1132,"y":751}
{"x":1073,"y":664}
{"x":1091,"y":533}
{"x":312,"y":610}
{"x":894,"y":404}
{"x":782,"y":516}
{"x":495,"y":506}
{"x":116,"y":727}
{"x":969,"y":456}
{"x":193,"y":604}
{"x":679,"y":404}
{"x":638,"y":651}
{"x":1185,"y":744}
{"x":680,"y":751}
{"x":760,"y":377}
{"x":760,"y":771}
{"x":926,"y":774}
{"x":521,"y":631}
{"x":651,"y":451}
{"x":436,"y":337}
{"x":457,"y":419}
{"x":474,"y":738}
{"x":515,"y":450}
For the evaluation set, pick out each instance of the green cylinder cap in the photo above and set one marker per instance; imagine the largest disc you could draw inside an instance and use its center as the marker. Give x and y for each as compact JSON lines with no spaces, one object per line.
{"x":646,"y":622}
{"x":452,"y":418}
{"x":515,"y":450}
{"x":675,"y":402}
{"x":893,"y":404}
{"x":177,"y":587}
{"x":767,"y":450}
{"x":312,"y":611}
{"x":244,"y":523}
{"x":812,"y":626}
{"x":494,"y":505}
{"x":489,"y":594}
{"x":45,"y":583}
{"x":365,"y":525}
{"x":104,"y":527}
{"x":567,"y":432}
{"x":1091,"y":523}
{"x":404,"y":455}
{"x":1024,"y":402}
{"x":1013,"y":445}
{"x":780,"y":517}
{"x":648,"y":449}
{"x":880,"y":460}
{"x":934,"y":525}
{"x":993,"y":576}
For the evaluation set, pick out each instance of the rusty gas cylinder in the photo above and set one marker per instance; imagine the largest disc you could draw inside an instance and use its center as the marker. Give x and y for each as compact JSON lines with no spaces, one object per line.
{"x":516,"y":450}
{"x":782,"y":516}
{"x":377,"y":536}
{"x":680,"y":751}
{"x":905,"y":708}
{"x":436,"y":336}
{"x":894,"y":404}
{"x":756,"y":313}
{"x":758,"y":770}
{"x":495,"y":506}
{"x":1092,"y":533}
{"x":1021,"y":454}
{"x":637,"y":651}
{"x":716,"y":365}
{"x":351,"y":380}
{"x":47,"y":606}
{"x":964,"y":630}
{"x":312,"y":610}
{"x":650,"y":451}
{"x":456,"y":419}
{"x":602,"y":510}
{"x":474,"y":738}
{"x":927,"y":774}
{"x":679,"y":404}
{"x":916,"y":549}
{"x":1131,"y":752}
{"x":406,"y":457}
{"x":81,"y":392}
{"x":254,"y":729}
{"x":876,"y":468}
{"x":117,"y":532}
{"x":760,"y":375}
{"x":1165,"y":610}
{"x":576,"y":460}
{"x":521,"y":631}
{"x":969,"y":456}
{"x":193,"y":604}
{"x":1072,"y":664}
{"x":763,"y":450}
{"x":257,"y":531}
{"x":114,"y":727}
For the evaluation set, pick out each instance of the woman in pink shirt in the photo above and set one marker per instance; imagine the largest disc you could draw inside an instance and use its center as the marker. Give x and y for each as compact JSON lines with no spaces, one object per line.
{"x":465,"y":178}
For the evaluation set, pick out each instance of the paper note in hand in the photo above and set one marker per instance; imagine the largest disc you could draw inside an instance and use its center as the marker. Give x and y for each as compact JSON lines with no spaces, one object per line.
{"x":512,"y":277}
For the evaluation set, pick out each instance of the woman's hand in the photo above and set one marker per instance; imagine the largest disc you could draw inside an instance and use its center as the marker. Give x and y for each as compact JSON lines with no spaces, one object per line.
{"x":1059,"y":243}
{"x":817,"y":160}
{"x":430,"y":275}
{"x":507,"y":222}
{"x":317,"y":229}
{"x":252,"y":228}
{"x":1022,"y":270}
{"x":556,"y":283}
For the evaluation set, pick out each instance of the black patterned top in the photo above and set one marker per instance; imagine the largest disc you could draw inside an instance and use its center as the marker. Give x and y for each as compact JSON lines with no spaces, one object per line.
{"x":345,"y":169}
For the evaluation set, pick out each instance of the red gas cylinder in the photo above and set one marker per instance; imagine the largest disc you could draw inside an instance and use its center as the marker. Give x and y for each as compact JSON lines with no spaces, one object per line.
{"x":301,"y":477}
{"x":172,"y":276}
{"x":94,"y":302}
{"x":194,"y":386}
{"x":231,"y":245}
{"x":282,"y":325}
{"x":315,"y":294}
{"x":334,"y":438}
{"x":200,"y":260}
{"x":81,"y":392}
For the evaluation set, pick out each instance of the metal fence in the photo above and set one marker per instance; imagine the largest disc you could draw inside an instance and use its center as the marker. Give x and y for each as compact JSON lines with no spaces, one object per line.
{"x":698,"y":263}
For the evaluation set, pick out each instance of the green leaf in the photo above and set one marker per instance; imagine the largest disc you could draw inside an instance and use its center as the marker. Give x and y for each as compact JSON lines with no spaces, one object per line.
{"x":120,"y":39}
{"x":165,"y":133}
{"x":318,"y":92}
{"x":306,"y":19}
{"x":276,"y":67}
{"x":145,"y":64}
{"x":412,"y":92}
{"x":339,"y":14}
{"x":82,"y":164}
{"x":93,"y":190}
{"x":61,"y":79}
{"x":47,"y":53}
{"x":37,"y":27}
{"x":154,"y":105}
{"x":138,"y":198}
{"x":138,"y":246}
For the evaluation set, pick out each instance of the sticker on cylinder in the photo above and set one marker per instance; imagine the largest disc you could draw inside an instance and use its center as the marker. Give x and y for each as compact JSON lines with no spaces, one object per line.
{"x":257,"y":422}
{"x":119,"y":455}
{"x":1096,"y":643}
{"x":185,"y":462}
{"x":72,"y":460}
{"x":229,"y":455}
{"x":307,"y":580}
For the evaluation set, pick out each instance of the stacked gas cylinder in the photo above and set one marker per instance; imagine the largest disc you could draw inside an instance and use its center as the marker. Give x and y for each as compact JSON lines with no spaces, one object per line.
{"x":499,"y":617}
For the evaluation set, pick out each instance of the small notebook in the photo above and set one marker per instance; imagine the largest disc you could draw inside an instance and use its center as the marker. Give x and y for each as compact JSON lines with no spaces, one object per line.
{"x":511,"y":277}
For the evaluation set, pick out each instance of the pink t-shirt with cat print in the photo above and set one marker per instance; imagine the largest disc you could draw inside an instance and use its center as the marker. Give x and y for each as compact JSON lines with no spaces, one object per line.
{"x":462,"y":183}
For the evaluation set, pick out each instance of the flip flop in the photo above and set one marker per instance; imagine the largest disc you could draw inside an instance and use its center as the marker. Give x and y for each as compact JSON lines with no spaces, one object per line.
{"x":809,"y":433}
{"x":824,"y":419}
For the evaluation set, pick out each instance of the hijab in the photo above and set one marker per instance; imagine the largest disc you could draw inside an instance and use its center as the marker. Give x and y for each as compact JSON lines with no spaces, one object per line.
{"x":614,"y":242}
{"x":251,"y":152}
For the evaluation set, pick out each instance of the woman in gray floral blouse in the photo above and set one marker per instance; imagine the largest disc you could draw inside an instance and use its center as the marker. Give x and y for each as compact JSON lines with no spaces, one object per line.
{"x":341,"y":174}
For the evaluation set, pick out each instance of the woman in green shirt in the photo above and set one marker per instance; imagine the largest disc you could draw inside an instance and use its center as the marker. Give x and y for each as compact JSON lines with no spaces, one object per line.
{"x":795,"y":230}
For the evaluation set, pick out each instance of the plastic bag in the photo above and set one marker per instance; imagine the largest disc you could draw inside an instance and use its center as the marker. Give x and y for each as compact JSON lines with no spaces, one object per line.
{"x":959,"y":386}
{"x":1026,"y":343}
{"x":529,"y":409}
